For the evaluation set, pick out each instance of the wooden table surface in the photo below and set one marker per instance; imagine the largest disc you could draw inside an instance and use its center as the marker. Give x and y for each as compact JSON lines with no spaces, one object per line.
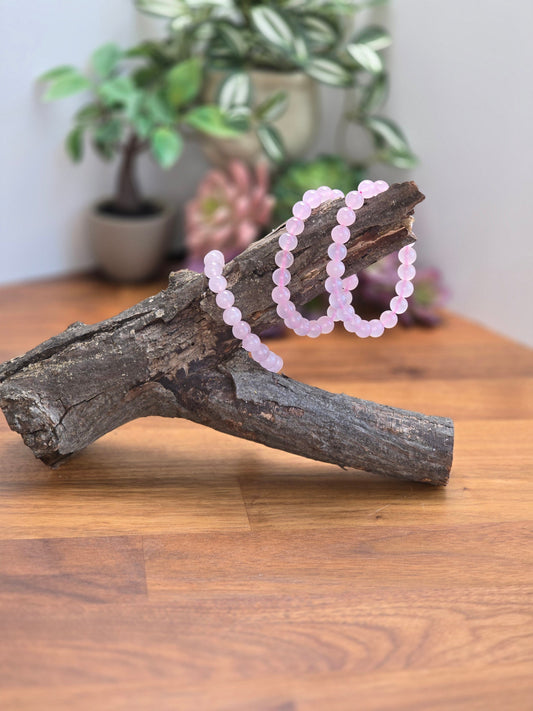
{"x":173,"y":567}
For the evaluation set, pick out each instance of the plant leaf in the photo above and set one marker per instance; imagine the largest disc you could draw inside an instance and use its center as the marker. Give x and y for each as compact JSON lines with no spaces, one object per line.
{"x":105,"y":59}
{"x":118,"y":90}
{"x":273,"y":107}
{"x":399,"y":159}
{"x":233,"y":38}
{"x":235,"y":90}
{"x":366,"y":57}
{"x":212,"y":120}
{"x":387,"y":133}
{"x":74,"y":144}
{"x":321,"y":32}
{"x":106,"y":137}
{"x":328,"y":71}
{"x":377,"y":38}
{"x":166,"y":146}
{"x":66,"y":85}
{"x":271,"y":142}
{"x":160,"y":8}
{"x":57,"y":72}
{"x":272,"y":26}
{"x":374,"y":94}
{"x":184,"y":81}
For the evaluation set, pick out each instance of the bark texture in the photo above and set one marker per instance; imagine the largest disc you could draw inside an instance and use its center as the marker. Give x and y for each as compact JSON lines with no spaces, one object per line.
{"x":172,"y":355}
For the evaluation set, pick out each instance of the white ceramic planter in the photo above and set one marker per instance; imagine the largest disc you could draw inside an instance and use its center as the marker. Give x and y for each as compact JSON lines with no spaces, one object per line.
{"x":297,"y":126}
{"x":129,"y":249}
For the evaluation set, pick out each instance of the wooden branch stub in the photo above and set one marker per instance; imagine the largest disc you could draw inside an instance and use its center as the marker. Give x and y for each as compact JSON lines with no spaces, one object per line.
{"x":172,"y":355}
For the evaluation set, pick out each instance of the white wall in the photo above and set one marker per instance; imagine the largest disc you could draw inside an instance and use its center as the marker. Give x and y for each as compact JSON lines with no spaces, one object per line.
{"x":462,"y":89}
{"x":42,"y":194}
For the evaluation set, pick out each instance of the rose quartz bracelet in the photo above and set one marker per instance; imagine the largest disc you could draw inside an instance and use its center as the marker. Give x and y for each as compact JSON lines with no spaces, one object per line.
{"x":339,"y":289}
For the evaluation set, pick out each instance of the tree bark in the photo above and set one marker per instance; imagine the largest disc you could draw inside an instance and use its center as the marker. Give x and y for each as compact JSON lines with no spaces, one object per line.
{"x":172,"y":355}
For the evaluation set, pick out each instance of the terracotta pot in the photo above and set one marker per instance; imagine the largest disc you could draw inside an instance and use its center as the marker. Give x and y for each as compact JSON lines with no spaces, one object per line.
{"x":297,"y":126}
{"x":129,"y":249}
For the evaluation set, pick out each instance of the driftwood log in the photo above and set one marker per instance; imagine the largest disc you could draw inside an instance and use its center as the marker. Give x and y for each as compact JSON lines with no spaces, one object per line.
{"x":172,"y":355}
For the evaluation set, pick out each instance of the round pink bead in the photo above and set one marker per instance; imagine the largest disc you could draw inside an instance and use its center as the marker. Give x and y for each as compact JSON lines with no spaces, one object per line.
{"x":215,"y":255}
{"x":340,"y":234}
{"x":260,"y":352}
{"x":225,"y":299}
{"x":335,"y":268}
{"x":363,"y":329}
{"x":312,"y":198}
{"x":281,"y":277}
{"x":406,"y":271}
{"x":294,"y":226}
{"x":376,"y":328}
{"x":241,"y":329}
{"x":293,"y":320}
{"x":217,"y":284}
{"x":404,"y":288}
{"x":333,"y":284}
{"x":346,"y":312}
{"x":232,"y":315}
{"x":351,"y":324}
{"x":366,"y":187}
{"x":302,"y":329}
{"x":398,"y":304}
{"x":339,"y":299}
{"x":388,"y":319}
{"x":332,"y":313}
{"x":325,"y":193}
{"x":335,"y":194}
{"x":251,"y":342}
{"x":287,"y":241}
{"x":314,"y":329}
{"x":407,"y":254}
{"x":213,"y":269}
{"x":284,"y":310}
{"x":301,"y":210}
{"x":326,"y":324}
{"x":355,"y":199}
{"x":337,"y":251}
{"x":350,"y":283}
{"x":284,"y":259}
{"x":280,"y":293}
{"x":273,"y":363}
{"x":345,"y":216}
{"x":380,"y":186}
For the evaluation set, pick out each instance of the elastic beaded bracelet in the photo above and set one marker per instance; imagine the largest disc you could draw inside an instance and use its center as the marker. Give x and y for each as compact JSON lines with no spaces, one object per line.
{"x":339,"y":289}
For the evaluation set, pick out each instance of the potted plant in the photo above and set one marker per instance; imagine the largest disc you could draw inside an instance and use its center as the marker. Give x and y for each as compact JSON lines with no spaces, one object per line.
{"x":271,"y":55}
{"x":138,"y":100}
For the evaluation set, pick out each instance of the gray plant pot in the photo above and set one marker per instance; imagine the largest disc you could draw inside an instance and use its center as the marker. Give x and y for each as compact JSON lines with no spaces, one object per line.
{"x":129,"y":249}
{"x":297,"y":126}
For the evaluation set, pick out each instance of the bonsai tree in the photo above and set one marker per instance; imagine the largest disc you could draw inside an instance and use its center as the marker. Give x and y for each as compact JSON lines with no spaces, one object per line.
{"x":312,"y":36}
{"x":141,"y":100}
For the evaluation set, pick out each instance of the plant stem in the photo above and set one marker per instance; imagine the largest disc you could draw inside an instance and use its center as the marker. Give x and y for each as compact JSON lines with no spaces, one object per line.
{"x":128,"y":200}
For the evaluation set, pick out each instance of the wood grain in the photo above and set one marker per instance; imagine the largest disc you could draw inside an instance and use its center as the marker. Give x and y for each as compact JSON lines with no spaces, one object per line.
{"x":174,"y":567}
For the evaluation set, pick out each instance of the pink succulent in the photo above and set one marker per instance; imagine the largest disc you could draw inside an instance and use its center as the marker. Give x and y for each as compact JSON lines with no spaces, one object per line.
{"x":228,"y":211}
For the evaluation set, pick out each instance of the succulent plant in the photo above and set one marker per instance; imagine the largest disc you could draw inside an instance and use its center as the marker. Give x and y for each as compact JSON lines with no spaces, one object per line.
{"x":376,"y":285}
{"x":227,"y":212}
{"x":291,"y":184}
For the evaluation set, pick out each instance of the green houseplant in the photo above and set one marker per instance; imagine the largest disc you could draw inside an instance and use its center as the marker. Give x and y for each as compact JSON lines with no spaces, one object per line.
{"x":138,"y":100}
{"x":290,"y":44}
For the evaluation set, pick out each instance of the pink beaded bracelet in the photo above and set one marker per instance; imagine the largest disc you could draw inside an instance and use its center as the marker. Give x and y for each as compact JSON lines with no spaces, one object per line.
{"x":339,"y":289}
